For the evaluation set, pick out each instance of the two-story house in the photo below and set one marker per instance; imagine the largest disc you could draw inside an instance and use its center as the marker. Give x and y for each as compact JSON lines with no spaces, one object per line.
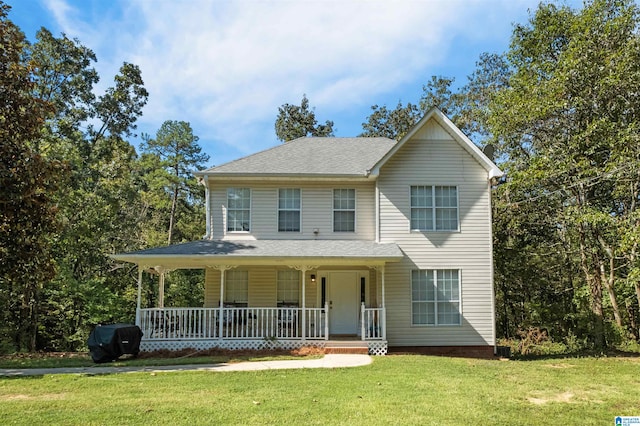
{"x":339,"y":241}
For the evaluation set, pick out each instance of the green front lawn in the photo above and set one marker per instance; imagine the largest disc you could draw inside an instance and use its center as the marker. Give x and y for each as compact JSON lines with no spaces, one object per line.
{"x":397,"y":389}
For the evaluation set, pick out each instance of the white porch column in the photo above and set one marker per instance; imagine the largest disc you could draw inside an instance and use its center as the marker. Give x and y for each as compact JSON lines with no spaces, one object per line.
{"x":384,"y":307}
{"x":304,"y":312}
{"x":138,"y":301}
{"x":220,"y":321}
{"x":363,"y":335}
{"x":303,"y":270}
{"x":222,"y":269}
{"x":326,"y":321}
{"x":161,"y":270}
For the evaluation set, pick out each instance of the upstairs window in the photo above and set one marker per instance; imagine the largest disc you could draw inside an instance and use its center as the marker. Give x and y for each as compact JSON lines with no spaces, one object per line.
{"x":238,"y":210}
{"x":289,"y":210}
{"x":288,"y":287}
{"x":344,"y":210}
{"x":237,"y":287}
{"x":434,"y":208}
{"x":435,"y":297}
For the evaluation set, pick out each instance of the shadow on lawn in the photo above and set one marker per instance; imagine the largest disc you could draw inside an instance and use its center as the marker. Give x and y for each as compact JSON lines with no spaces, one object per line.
{"x":610,"y":353}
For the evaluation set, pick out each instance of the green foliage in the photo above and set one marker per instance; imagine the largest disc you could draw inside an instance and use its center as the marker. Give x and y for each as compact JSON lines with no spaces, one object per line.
{"x":71,"y":192}
{"x":437,"y":93}
{"x":185,"y":288}
{"x":468,"y":107}
{"x":173,"y":193}
{"x":28,"y":215}
{"x":295,"y":121}
{"x":392,"y":124}
{"x":566,"y":125}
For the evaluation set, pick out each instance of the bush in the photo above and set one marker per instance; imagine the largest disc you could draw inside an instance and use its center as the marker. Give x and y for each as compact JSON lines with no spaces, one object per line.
{"x":534,"y":341}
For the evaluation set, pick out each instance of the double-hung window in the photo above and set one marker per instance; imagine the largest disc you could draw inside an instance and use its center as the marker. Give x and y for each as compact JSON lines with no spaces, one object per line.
{"x":344,"y":210}
{"x":288,"y":287}
{"x":435,"y":297}
{"x":289,"y":210}
{"x":434,"y":208}
{"x":237,"y":287}
{"x":238,"y":210}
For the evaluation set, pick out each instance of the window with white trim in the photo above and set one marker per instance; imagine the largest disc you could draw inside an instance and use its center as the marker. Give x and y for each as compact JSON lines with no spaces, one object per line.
{"x":344,"y":210}
{"x":289,"y":210}
{"x":434,"y":208}
{"x":238,"y":210}
{"x":435,"y":297}
{"x":288,"y":287}
{"x":236,"y":287}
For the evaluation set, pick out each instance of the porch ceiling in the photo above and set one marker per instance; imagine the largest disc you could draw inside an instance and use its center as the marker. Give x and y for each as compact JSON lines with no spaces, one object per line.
{"x":211,"y":253}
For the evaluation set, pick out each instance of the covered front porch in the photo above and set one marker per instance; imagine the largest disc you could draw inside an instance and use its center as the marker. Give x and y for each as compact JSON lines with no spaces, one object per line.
{"x":270,"y":295}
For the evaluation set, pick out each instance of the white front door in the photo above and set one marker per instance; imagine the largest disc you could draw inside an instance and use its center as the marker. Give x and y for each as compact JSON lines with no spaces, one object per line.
{"x":343,"y":302}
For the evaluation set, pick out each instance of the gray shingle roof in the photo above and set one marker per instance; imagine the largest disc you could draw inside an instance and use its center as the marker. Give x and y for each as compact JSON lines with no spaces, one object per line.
{"x":311,"y":156}
{"x":272,"y":249}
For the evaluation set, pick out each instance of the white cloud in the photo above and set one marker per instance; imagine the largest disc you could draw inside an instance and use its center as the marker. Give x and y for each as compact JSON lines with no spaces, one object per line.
{"x":226,"y":66}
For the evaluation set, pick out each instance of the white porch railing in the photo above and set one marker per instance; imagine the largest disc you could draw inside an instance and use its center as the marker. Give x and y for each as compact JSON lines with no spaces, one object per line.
{"x":372,"y":323}
{"x":233,"y":323}
{"x":230,"y":323}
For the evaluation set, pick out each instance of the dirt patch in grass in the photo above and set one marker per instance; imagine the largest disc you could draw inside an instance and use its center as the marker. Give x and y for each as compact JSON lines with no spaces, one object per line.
{"x":575,"y":396}
{"x":561,"y":397}
{"x":44,"y":397}
{"x":559,"y":366}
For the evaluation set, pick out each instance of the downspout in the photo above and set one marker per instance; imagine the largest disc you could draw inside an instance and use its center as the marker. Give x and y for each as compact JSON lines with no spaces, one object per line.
{"x":377,"y":212}
{"x":207,"y":206}
{"x":491,"y":273}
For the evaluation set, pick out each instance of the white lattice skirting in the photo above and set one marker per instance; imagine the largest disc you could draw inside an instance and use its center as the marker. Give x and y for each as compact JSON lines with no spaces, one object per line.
{"x":375,"y":347}
{"x":199,"y":344}
{"x":378,"y":347}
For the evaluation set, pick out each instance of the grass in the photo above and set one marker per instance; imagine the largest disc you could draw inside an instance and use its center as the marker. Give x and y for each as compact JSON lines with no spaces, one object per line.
{"x":397,"y":389}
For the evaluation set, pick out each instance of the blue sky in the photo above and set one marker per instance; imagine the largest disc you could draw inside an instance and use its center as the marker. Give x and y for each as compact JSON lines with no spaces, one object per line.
{"x":226,"y":66}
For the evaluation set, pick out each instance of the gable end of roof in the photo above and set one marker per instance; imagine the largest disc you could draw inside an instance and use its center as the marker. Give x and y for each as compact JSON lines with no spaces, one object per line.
{"x":452,"y":129}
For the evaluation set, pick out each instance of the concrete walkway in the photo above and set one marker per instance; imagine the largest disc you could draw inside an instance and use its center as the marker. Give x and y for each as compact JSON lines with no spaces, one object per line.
{"x":328,"y":361}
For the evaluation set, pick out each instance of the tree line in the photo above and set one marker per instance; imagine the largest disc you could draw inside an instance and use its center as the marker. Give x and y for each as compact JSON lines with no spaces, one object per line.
{"x":73,"y":190}
{"x":560,"y":107}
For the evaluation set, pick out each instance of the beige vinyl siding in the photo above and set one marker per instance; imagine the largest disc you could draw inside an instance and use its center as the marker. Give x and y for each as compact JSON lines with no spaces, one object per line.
{"x":316,"y":210}
{"x":211,"y":288}
{"x":262,"y":287}
{"x":432,"y":157}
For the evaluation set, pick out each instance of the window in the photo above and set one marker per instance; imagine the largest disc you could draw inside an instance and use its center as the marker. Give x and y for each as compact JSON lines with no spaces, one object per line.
{"x":434,"y":208}
{"x":289,"y":287}
{"x":237,"y":287}
{"x":435,"y":297}
{"x":238,"y":210}
{"x":344,"y":210}
{"x":289,"y":210}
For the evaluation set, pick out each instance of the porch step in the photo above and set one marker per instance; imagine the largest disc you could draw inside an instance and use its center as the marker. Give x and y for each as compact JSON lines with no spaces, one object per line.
{"x":346,"y":347}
